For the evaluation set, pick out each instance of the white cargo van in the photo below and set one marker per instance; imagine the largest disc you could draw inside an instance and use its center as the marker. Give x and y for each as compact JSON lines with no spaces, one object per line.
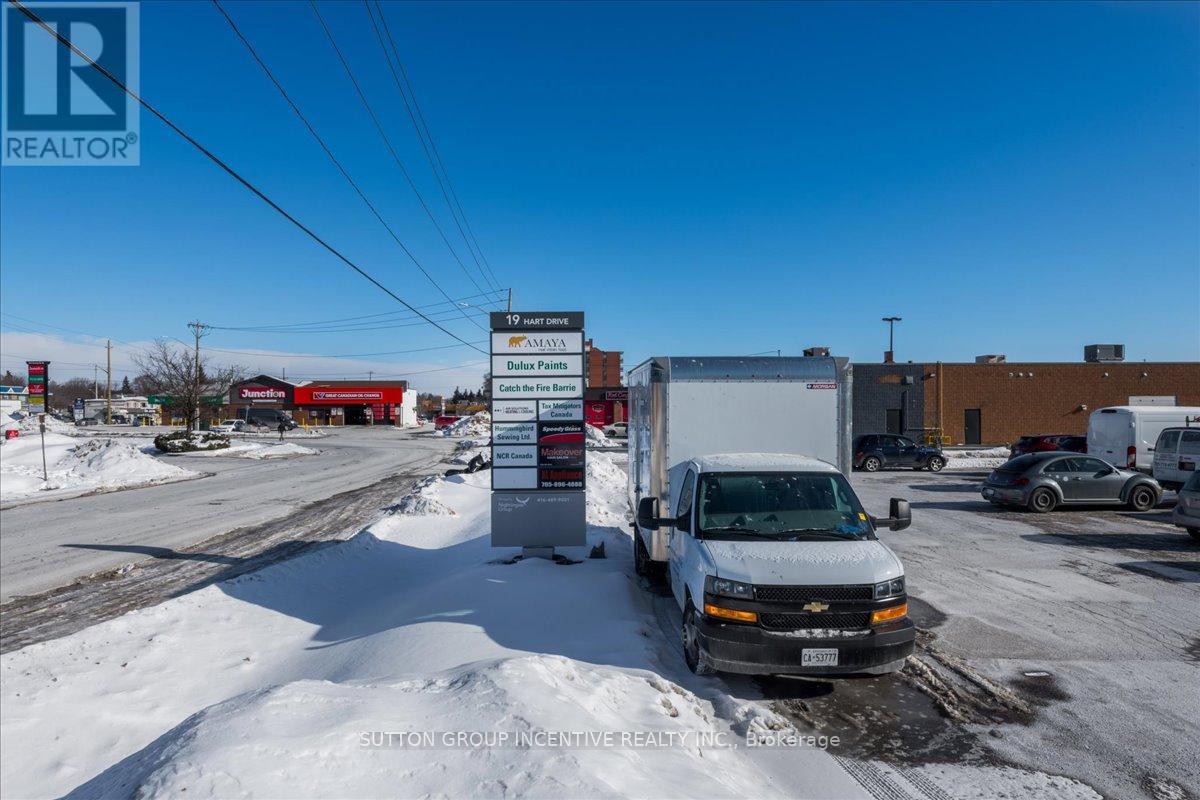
{"x":1124,"y":436}
{"x":772,"y":559}
{"x":1176,"y":456}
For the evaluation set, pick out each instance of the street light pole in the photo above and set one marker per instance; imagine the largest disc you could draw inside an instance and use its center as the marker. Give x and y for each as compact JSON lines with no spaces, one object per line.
{"x":891,"y":351}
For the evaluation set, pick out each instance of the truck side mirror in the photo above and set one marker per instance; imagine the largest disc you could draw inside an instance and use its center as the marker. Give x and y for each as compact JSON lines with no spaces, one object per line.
{"x":900,"y":515}
{"x":647,"y":513}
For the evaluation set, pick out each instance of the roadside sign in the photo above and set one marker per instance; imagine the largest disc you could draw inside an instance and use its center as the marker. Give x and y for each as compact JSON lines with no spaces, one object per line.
{"x":538,"y":456}
{"x":38,"y":384}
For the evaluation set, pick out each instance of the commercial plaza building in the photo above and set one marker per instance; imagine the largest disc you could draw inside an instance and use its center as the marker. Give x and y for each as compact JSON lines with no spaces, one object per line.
{"x":995,"y":402}
{"x":328,"y":402}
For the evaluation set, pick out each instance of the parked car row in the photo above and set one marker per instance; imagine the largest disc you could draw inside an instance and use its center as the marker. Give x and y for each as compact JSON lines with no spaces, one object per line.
{"x":876,"y":451}
{"x":1048,"y":442}
{"x":1044,"y":481}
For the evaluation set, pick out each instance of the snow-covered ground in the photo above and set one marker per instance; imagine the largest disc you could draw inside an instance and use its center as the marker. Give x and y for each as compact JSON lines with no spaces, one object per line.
{"x":77,"y":465}
{"x":310,"y":678}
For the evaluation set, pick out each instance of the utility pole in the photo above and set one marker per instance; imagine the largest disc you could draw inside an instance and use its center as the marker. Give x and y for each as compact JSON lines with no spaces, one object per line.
{"x":285,"y":373}
{"x":96,"y":381}
{"x":108,"y":385}
{"x":198,"y":329}
{"x":370,"y":375}
{"x":890,"y":355}
{"x":510,"y":298}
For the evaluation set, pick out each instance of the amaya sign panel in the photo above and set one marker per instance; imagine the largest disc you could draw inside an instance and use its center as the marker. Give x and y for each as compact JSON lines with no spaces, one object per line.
{"x":538,"y":457}
{"x":534,"y":343}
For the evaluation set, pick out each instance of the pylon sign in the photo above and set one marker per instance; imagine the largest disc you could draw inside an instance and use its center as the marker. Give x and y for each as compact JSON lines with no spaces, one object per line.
{"x":539,"y":470}
{"x":39,"y":385}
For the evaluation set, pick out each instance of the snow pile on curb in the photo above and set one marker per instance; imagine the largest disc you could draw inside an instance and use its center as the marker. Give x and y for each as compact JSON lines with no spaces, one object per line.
{"x":596,"y":437}
{"x":606,"y":491}
{"x":28,"y":424}
{"x":78,"y":466}
{"x":467,"y":449}
{"x":423,"y":501}
{"x":258,"y":450}
{"x":478,"y":424}
{"x":988,"y":458}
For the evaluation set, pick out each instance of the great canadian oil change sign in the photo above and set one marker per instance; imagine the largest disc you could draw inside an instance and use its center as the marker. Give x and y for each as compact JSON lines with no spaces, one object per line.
{"x":538,"y":467}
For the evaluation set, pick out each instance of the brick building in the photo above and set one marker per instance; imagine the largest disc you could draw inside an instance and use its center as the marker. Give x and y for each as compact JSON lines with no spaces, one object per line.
{"x":606,"y":396}
{"x":603,"y":367}
{"x":994,"y":403}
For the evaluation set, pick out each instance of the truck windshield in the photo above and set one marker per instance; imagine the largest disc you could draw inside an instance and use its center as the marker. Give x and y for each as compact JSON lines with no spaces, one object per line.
{"x":781,"y":505}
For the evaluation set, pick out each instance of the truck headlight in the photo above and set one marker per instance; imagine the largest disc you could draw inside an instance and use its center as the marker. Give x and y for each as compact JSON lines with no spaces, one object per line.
{"x":892,"y":588}
{"x":727,"y":588}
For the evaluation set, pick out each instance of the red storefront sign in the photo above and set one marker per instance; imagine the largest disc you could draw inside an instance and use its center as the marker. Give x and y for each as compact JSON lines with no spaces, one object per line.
{"x":347,"y":395}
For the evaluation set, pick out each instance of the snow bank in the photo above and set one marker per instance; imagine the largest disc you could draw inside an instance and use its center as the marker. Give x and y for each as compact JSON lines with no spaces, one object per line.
{"x":423,"y":501}
{"x":596,"y":437}
{"x":75,"y":466}
{"x":478,"y":424}
{"x":988,"y":458}
{"x":362,"y":735}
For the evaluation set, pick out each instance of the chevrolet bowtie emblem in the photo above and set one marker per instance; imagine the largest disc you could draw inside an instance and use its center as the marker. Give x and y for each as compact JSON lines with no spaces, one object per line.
{"x":816,"y":606}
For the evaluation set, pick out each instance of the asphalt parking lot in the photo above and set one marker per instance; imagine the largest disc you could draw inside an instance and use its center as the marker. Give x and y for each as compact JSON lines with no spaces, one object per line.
{"x":1067,"y":642}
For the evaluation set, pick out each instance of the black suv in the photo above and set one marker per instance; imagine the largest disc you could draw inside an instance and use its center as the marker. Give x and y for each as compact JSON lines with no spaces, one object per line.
{"x":877,"y":451}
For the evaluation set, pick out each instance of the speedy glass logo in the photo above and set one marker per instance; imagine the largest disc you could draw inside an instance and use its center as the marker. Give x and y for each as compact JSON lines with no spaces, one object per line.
{"x":58,"y":110}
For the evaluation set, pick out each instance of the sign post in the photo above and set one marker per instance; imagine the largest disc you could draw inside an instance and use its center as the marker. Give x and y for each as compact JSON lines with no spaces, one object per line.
{"x":538,"y":456}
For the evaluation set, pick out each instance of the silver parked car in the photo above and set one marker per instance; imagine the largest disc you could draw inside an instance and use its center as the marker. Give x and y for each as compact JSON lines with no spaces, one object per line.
{"x":1187,"y":510}
{"x":1043,"y":481}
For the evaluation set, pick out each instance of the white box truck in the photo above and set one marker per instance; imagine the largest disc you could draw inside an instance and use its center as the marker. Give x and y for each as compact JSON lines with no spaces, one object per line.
{"x":1124,"y":436}
{"x":736,"y":478}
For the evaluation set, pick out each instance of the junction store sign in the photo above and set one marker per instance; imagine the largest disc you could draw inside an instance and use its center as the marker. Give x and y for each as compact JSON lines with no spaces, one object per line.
{"x":538,"y":459}
{"x":261,"y":394}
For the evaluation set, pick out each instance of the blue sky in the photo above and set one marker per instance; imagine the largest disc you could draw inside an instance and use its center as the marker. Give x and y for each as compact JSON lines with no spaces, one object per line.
{"x":699,"y":178}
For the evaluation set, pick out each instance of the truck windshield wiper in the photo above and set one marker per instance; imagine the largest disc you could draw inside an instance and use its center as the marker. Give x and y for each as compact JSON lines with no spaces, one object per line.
{"x":742,"y":531}
{"x":826,"y":532}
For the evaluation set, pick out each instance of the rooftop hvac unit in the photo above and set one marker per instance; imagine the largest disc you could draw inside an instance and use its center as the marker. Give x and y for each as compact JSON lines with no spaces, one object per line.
{"x":990,"y":358}
{"x":816,"y":351}
{"x":1096,"y":353}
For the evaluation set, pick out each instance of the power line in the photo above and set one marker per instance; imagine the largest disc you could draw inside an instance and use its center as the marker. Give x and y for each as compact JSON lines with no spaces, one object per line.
{"x":224,"y":166}
{"x":459,"y":301}
{"x":339,"y":355}
{"x":388,"y":143}
{"x":374,"y":325}
{"x":423,"y":134}
{"x":328,"y":152}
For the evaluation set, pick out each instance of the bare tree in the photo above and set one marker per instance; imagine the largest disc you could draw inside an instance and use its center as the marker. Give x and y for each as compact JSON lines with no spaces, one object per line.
{"x":63,"y":395}
{"x":167,"y":369}
{"x":12,"y":380}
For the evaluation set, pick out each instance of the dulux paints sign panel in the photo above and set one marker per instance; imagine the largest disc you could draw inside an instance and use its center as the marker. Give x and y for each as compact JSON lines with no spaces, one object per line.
{"x":543,"y":365}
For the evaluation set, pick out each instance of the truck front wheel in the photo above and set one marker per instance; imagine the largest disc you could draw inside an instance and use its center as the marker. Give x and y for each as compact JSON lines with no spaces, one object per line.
{"x":691,"y":643}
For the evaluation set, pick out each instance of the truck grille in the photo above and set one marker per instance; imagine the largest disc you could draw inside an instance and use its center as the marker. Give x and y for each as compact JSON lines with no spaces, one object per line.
{"x":849,"y":620}
{"x":802,"y":594}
